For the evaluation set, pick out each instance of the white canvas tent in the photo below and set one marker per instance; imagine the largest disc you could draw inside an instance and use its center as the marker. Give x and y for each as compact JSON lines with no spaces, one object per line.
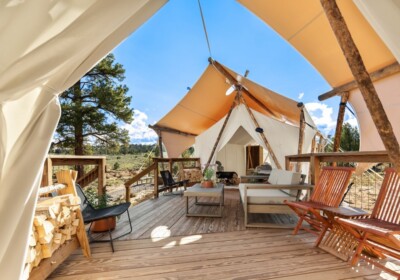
{"x":46,"y":46}
{"x":200,"y":115}
{"x":240,"y":131}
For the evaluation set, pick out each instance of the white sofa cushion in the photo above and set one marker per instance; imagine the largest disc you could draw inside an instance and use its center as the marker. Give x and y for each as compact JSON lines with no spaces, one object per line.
{"x":284,"y":177}
{"x":264,"y":196}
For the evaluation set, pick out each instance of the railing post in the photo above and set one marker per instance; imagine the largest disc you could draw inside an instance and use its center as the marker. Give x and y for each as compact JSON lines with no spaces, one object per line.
{"x":47,"y":176}
{"x":287,"y":163}
{"x":101,"y":175}
{"x":156,"y":179}
{"x":170,"y":163}
{"x":315,"y":169}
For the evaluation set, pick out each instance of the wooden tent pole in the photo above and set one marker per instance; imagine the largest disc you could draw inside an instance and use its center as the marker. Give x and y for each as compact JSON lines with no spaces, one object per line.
{"x":160,"y":143}
{"x":363,"y":80}
{"x":269,"y":148}
{"x":234,"y":82}
{"x":313,"y":142}
{"x":301,"y":134}
{"x":375,"y":76}
{"x":220,"y":132}
{"x":339,"y":122}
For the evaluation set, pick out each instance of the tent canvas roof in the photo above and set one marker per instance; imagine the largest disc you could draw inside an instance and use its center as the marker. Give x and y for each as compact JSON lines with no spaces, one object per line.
{"x":206,"y":103}
{"x":304,"y":25}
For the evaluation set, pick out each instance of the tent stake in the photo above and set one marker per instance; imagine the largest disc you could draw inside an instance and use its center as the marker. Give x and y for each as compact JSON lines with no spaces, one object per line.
{"x":269,"y":148}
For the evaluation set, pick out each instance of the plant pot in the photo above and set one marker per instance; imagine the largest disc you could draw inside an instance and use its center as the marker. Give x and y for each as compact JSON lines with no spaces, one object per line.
{"x":207,"y":184}
{"x":104,"y":224}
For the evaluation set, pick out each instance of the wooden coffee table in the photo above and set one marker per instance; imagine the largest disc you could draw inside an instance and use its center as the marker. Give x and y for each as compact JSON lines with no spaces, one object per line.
{"x":197,"y":191}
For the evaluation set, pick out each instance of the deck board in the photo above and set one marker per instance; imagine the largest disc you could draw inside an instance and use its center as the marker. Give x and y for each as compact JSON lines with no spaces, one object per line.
{"x":165,"y":244}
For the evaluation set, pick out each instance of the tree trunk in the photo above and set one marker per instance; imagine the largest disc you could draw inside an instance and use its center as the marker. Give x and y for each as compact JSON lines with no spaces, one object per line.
{"x":363,"y":80}
{"x":79,"y":149}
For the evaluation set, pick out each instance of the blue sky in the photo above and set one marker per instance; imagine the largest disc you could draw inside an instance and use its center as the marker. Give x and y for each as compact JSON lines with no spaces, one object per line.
{"x":169,"y":53}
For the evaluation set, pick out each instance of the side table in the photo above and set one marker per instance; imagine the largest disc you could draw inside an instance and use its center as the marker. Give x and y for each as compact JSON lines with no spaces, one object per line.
{"x":338,"y":241}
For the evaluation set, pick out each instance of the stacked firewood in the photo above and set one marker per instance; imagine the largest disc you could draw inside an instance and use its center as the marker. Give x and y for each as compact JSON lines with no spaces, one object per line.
{"x":54,"y":223}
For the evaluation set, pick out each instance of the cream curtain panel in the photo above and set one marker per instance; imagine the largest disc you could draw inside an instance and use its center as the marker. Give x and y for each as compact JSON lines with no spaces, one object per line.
{"x":46,"y":46}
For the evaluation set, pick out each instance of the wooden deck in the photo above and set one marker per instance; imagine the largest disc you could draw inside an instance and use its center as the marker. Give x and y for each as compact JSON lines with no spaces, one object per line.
{"x":165,"y":244}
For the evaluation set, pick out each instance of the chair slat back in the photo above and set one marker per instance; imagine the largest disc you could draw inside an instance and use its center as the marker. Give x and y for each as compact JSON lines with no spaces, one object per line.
{"x":387,"y":205}
{"x":167,"y":178}
{"x":85,"y":204}
{"x":332,"y":185}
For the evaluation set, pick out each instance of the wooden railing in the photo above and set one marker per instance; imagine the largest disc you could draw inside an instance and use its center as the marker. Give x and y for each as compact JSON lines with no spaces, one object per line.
{"x":315,"y":160}
{"x":155,"y":167}
{"x":366,"y":184}
{"x":170,"y":162}
{"x":88,"y":177}
{"x":136,"y":178}
{"x":97,"y":172}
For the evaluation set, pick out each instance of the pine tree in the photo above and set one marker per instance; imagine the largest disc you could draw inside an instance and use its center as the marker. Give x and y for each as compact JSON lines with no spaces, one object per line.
{"x":92,"y":108}
{"x":350,"y":138}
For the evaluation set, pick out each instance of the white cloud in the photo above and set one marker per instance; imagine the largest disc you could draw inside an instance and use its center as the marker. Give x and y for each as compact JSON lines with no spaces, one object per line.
{"x":301,"y":94}
{"x":322,"y":116}
{"x":350,"y":118}
{"x":139,"y":132}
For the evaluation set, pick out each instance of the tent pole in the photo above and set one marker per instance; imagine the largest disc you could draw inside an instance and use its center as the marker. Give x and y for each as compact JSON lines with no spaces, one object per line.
{"x":269,"y":148}
{"x":160,"y":144}
{"x":339,"y":122}
{"x":233,"y":81}
{"x":313,"y":142}
{"x":375,"y":76}
{"x":301,"y":134}
{"x":363,"y":80}
{"x":220,"y":133}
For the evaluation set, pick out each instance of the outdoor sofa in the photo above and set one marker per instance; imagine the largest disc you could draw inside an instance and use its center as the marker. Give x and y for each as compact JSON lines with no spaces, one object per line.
{"x":269,"y":198}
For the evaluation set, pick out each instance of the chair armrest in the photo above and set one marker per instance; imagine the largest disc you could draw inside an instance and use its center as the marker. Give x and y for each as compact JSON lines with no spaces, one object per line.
{"x":269,"y":186}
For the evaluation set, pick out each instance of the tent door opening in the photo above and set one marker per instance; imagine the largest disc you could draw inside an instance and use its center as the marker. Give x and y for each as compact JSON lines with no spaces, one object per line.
{"x":254,"y":158}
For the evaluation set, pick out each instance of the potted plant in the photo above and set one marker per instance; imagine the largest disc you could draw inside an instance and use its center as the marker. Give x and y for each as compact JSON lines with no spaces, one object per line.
{"x":99,"y":202}
{"x":208,"y":173}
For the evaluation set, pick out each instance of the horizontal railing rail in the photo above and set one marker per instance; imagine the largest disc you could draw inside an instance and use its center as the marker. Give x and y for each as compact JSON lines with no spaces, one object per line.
{"x":366,"y":183}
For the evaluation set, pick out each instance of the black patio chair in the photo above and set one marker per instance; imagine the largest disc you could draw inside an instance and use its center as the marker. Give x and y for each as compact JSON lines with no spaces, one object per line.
{"x":169,"y":182}
{"x":90,"y":214}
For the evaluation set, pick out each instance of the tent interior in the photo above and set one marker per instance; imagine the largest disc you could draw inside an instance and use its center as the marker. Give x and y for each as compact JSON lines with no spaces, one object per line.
{"x":236,"y":155}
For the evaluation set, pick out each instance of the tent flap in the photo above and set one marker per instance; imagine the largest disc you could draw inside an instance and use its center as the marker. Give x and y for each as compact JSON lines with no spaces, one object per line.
{"x":46,"y":47}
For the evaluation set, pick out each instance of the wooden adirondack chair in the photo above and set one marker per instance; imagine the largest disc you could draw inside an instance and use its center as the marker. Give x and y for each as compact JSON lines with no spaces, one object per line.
{"x":380,"y":233}
{"x":328,"y":192}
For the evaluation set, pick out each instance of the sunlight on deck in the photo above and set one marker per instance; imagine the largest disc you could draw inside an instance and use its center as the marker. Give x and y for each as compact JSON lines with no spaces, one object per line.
{"x":160,"y":233}
{"x":383,"y":275}
{"x":189,"y":239}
